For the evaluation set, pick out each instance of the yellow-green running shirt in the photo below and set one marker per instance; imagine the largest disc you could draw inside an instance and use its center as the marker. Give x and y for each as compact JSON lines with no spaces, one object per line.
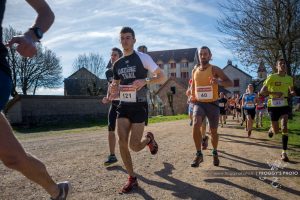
{"x":276,"y":83}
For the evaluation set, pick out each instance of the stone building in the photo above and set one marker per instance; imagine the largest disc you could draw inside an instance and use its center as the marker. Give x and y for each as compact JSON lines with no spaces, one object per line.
{"x":176,"y":63}
{"x":84,"y":83}
{"x":239,"y":78}
{"x":171,"y":99}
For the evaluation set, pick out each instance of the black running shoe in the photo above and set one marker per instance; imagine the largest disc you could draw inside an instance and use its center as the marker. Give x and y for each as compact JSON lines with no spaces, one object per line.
{"x":111,"y":160}
{"x":197,"y":160}
{"x":270,"y":133}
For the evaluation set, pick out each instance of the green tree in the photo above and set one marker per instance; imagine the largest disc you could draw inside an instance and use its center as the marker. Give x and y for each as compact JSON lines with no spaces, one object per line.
{"x":263,"y":30}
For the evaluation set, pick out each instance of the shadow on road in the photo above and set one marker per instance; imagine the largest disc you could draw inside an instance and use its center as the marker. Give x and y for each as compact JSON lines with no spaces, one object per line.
{"x":250,"y":191}
{"x":179,"y":188}
{"x":268,"y":181}
{"x":139,"y":190}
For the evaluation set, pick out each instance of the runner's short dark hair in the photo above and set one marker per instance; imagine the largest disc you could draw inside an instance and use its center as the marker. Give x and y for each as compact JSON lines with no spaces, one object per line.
{"x":205,"y":47}
{"x":117,"y":50}
{"x":280,"y":59}
{"x":127,"y":29}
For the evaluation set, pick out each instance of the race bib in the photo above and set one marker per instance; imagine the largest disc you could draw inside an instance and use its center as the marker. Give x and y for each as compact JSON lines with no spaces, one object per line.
{"x":127,"y":93}
{"x":277,"y":102}
{"x":250,"y":105}
{"x":260,"y":105}
{"x":221,"y":105}
{"x":204,"y":92}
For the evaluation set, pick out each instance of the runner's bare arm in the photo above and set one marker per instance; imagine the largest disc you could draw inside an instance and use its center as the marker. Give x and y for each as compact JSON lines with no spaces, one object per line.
{"x":225,"y":81}
{"x":243,"y":100}
{"x":114,"y":89}
{"x":26,"y":43}
{"x":193,"y":95}
{"x":158,"y":77}
{"x":264,"y":91}
{"x":105,"y":99}
{"x":256,"y":99}
{"x":45,"y":16}
{"x":292,"y":91}
{"x":188,"y":92}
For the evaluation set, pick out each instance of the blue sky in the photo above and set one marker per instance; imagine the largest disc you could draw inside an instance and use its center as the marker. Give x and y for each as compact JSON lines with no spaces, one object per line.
{"x":83,"y":26}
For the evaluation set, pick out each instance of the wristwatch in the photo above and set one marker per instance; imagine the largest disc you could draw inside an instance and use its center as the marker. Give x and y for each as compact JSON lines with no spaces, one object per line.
{"x":147,"y":80}
{"x":37,"y":32}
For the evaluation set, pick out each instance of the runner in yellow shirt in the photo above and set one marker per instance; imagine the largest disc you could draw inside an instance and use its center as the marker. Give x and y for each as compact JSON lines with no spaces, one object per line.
{"x":278,"y":86}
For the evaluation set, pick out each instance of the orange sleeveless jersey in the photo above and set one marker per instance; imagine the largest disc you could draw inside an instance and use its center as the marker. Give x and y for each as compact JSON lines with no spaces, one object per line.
{"x":204,"y":91}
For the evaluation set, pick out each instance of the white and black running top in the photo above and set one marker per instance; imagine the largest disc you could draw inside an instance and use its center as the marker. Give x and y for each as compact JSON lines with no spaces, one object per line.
{"x":130,"y":68}
{"x":109,"y":75}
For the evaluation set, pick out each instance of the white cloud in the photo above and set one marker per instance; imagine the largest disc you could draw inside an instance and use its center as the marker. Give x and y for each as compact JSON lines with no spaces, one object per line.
{"x":83,"y":26}
{"x":50,"y":91}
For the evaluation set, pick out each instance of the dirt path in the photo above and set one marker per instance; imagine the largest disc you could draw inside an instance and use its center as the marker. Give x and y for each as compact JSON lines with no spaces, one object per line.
{"x":168,"y":175}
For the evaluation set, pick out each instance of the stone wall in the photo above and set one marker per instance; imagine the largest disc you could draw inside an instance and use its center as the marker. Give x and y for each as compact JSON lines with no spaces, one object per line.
{"x":179,"y":98}
{"x":36,"y":110}
{"x":85,"y":87}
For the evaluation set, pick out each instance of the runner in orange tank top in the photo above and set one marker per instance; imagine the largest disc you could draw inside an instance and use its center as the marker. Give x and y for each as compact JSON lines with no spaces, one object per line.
{"x":205,"y":85}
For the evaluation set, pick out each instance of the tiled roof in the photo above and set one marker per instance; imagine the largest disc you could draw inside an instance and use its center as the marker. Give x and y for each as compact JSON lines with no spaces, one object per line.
{"x":229,"y":65}
{"x":176,"y":54}
{"x":82,"y":70}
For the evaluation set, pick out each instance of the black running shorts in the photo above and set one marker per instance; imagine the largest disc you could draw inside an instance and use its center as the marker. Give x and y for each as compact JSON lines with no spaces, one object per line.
{"x":276,"y":112}
{"x":136,"y":113}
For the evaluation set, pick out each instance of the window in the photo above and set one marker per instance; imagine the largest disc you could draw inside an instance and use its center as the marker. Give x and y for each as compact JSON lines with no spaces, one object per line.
{"x":173,"y":89}
{"x":173,"y":75}
{"x":184,"y":74}
{"x":236,"y":83}
{"x":173,"y":65}
{"x":184,"y":65}
{"x":161,"y":66}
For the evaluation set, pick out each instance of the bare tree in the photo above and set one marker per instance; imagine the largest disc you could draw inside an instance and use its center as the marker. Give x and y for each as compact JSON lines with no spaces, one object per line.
{"x":43,"y":70}
{"x":93,"y":62}
{"x":263,"y":30}
{"x":49,"y":71}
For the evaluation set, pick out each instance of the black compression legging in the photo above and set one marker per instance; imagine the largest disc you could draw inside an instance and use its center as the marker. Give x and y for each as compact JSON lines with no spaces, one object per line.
{"x":112,"y":116}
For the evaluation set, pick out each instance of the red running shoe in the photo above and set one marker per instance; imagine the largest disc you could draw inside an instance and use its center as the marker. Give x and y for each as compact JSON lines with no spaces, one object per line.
{"x":153,"y":146}
{"x":130,"y":184}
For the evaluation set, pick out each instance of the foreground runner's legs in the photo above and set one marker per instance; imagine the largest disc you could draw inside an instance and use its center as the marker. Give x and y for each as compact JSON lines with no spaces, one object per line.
{"x":116,"y":53}
{"x":136,"y":142}
{"x":214,"y":142}
{"x":275,"y":130}
{"x":250,"y":119}
{"x":13,"y":156}
{"x":124,"y":127}
{"x":285,"y":138}
{"x":197,"y":140}
{"x":204,"y":136}
{"x":112,"y":115}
